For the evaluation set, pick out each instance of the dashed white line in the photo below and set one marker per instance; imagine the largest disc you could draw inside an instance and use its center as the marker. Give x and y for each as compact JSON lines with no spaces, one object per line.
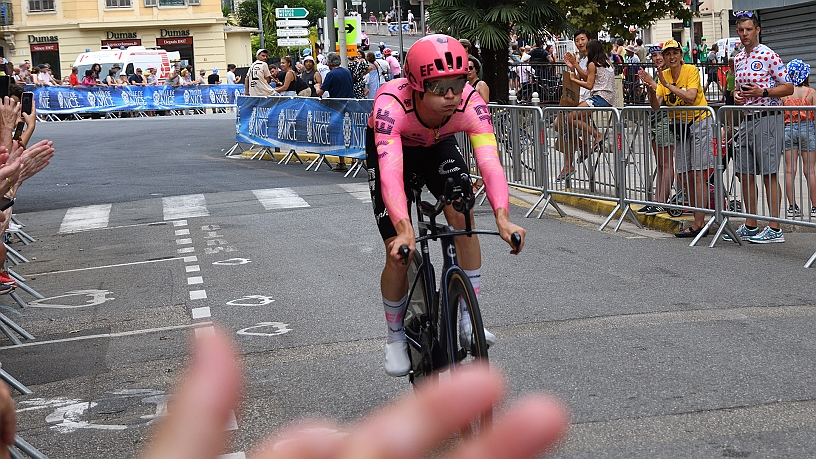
{"x":204,"y":331}
{"x":85,"y":218}
{"x":180,"y":223}
{"x":184,"y":241}
{"x":185,"y":250}
{"x":200,"y":313}
{"x":192,"y":268}
{"x":195,"y":280}
{"x":182,"y":232}
{"x":191,"y":259}
{"x":198,"y":294}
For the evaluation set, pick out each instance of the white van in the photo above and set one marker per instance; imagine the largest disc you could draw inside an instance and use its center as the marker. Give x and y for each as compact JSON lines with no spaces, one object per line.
{"x":129,"y":59}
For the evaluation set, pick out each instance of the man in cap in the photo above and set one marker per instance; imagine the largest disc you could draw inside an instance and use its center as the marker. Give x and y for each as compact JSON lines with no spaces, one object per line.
{"x":201,"y":78}
{"x":214,"y":78}
{"x":259,"y":76}
{"x":25,"y":72}
{"x":310,"y":75}
{"x":137,"y":79}
{"x":393,"y":62}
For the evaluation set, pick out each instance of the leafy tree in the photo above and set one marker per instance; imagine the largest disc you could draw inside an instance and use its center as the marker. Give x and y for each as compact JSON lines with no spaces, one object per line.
{"x":616,"y":16}
{"x":488,"y":23}
{"x":248,"y":16}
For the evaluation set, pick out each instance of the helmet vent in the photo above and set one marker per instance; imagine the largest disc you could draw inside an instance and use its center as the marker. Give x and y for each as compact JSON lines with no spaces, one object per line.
{"x":440,"y":67}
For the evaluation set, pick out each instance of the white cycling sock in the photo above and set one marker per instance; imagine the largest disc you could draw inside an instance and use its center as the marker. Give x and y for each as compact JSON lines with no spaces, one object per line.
{"x":394,"y":313}
{"x":475,"y":277}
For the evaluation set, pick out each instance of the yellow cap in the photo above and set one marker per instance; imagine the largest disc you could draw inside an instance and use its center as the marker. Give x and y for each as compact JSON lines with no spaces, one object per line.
{"x":668,"y":44}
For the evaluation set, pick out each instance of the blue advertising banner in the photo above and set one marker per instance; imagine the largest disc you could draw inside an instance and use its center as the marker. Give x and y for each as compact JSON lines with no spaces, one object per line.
{"x":327,"y":126}
{"x":86,"y":99}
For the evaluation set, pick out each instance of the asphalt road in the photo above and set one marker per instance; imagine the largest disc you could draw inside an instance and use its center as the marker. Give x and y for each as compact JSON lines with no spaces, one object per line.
{"x":660,"y":350}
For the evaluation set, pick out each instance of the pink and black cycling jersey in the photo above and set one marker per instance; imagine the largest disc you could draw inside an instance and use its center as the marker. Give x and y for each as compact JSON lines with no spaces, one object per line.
{"x":396,"y":124}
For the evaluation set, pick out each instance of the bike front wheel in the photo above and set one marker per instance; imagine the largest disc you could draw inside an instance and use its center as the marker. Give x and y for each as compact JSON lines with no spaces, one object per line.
{"x":466,"y":339}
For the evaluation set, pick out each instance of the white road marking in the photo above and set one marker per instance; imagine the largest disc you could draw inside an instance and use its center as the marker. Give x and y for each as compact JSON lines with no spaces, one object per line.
{"x":204,"y":331}
{"x":251,"y":300}
{"x":180,"y":223}
{"x":195,"y":280}
{"x":183,"y":232}
{"x":186,"y":250}
{"x":192,"y":268}
{"x":85,"y":218}
{"x":105,"y":266}
{"x":190,"y":259}
{"x":106,"y":335}
{"x":358,"y":190}
{"x":198,"y":294}
{"x":200,"y":313}
{"x":279,"y":198}
{"x":184,"y":241}
{"x":238,"y":455}
{"x":191,"y":205}
{"x":233,"y":262}
{"x":232,"y":422}
{"x":97,"y":297}
{"x":274,"y":329}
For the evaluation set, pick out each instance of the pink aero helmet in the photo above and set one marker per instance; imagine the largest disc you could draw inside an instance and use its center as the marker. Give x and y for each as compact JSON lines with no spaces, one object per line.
{"x":434,"y":56}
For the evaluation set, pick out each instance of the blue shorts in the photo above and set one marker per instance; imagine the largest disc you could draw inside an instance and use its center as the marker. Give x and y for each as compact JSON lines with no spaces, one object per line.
{"x":597,"y":101}
{"x":800,"y":136}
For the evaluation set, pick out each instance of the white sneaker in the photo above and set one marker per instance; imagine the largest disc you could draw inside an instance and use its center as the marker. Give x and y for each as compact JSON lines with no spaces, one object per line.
{"x":13,"y":227}
{"x":397,"y":362}
{"x":466,"y":330}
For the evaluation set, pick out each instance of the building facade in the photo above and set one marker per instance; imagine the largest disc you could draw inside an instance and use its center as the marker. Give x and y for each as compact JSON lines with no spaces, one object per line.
{"x":715,"y":21}
{"x":57,"y":31}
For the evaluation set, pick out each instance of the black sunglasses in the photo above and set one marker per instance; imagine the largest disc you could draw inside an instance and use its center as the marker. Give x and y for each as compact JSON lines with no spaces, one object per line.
{"x":441,"y":87}
{"x":470,"y":68}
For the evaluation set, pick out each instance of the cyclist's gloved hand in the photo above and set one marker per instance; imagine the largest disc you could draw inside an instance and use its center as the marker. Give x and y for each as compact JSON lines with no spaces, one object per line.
{"x":419,"y":422}
{"x":508,"y":228}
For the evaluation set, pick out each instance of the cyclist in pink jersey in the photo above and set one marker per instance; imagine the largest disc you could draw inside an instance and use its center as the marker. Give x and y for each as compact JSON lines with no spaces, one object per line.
{"x":411,"y":132}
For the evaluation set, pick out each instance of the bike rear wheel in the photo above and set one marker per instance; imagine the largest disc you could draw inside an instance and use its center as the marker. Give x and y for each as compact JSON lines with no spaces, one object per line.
{"x":468,"y":346}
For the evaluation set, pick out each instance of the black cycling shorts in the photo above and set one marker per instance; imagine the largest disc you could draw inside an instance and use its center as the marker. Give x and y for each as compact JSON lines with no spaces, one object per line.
{"x":432,"y":164}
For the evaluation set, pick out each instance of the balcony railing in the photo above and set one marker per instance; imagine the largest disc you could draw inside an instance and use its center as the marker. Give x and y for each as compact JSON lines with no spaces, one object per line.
{"x":6,"y":14}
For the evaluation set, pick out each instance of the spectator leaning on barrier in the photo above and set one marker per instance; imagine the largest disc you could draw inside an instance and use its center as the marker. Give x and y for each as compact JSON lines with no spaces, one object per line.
{"x":151,"y":78}
{"x":214,"y":78}
{"x":800,"y":136}
{"x":679,"y":86}
{"x":202,"y":79}
{"x":111,"y":79}
{"x":287,"y":78}
{"x":25,"y":72}
{"x":761,"y":79}
{"x":310,"y":75}
{"x":339,"y":84}
{"x":89,"y":79}
{"x":662,"y":145}
{"x":137,"y":79}
{"x":74,"y":77}
{"x":173,"y":80}
{"x":258,"y":76}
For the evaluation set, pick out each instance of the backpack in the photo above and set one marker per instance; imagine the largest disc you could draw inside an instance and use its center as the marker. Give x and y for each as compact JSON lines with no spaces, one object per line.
{"x":300,"y":85}
{"x":385,"y":73}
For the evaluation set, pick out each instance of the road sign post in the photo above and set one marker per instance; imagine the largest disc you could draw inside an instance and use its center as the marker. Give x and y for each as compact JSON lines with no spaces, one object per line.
{"x":291,"y":13}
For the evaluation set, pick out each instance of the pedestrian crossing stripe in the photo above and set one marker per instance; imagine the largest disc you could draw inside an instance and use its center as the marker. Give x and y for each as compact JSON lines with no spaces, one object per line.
{"x":85,"y":218}
{"x":279,"y":198}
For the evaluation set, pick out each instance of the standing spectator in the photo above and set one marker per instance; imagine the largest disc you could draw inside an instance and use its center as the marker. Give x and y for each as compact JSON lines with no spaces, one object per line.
{"x":396,"y":69}
{"x":287,"y":78}
{"x":214,"y":78}
{"x":411,"y":28}
{"x":358,"y":67}
{"x":640,"y":50}
{"x":74,"y":77}
{"x":310,"y":75}
{"x":473,"y":78}
{"x":800,"y":136}
{"x":687,"y":53}
{"x":25,"y":72}
{"x":202,"y":79}
{"x":704,"y":52}
{"x":730,"y":83}
{"x":761,"y":79}
{"x":44,"y":75}
{"x":173,"y":80}
{"x":619,"y":47}
{"x":340,"y":85}
{"x":110,"y":80}
{"x":137,"y":79}
{"x":322,"y":68}
{"x":151,"y":77}
{"x":712,"y":69}
{"x":372,"y":18}
{"x":123,"y":80}
{"x":375,"y":76}
{"x":662,"y":144}
{"x":677,"y":86}
{"x":97,"y":73}
{"x":185,"y":77}
{"x":469,"y":48}
{"x":231,"y":77}
{"x":258,"y":76}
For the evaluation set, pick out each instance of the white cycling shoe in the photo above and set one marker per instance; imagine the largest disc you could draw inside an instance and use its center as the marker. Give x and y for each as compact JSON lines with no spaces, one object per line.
{"x":466,"y":330}
{"x":397,"y":362}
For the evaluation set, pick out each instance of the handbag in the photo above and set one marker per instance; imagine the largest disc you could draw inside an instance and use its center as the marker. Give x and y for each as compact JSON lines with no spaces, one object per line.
{"x":571,"y":92}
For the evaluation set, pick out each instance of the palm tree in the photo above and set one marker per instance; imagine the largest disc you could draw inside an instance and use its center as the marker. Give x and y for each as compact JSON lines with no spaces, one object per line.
{"x":488,"y":23}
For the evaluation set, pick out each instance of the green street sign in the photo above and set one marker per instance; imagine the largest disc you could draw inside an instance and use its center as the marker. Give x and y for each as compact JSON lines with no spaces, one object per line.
{"x":291,"y":13}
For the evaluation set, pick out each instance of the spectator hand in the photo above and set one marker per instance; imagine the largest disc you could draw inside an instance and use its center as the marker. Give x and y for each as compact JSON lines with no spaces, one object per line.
{"x":9,"y":114}
{"x":647,"y":79}
{"x":410,"y":427}
{"x":35,"y":158}
{"x":31,"y":118}
{"x":9,"y":173}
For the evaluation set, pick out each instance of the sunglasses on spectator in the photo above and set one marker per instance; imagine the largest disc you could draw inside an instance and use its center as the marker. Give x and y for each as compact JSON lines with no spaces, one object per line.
{"x":441,"y":87}
{"x":744,"y":14}
{"x":470,"y":68}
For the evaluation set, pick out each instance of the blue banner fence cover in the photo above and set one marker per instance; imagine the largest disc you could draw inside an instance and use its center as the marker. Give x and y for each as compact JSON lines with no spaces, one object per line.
{"x":95,"y":99}
{"x":325,"y":126}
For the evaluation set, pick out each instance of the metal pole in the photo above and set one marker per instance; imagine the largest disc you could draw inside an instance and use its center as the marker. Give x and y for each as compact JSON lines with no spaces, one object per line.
{"x":422,"y":16}
{"x":341,"y":31}
{"x":260,"y":24}
{"x":328,"y":29}
{"x":399,"y":26}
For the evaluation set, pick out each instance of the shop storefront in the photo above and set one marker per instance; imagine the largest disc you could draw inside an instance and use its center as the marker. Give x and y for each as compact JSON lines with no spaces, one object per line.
{"x":45,"y":50}
{"x":178,"y":40}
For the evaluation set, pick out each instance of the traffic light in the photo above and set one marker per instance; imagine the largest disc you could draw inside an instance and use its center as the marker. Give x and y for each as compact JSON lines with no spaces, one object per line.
{"x":686,"y":22}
